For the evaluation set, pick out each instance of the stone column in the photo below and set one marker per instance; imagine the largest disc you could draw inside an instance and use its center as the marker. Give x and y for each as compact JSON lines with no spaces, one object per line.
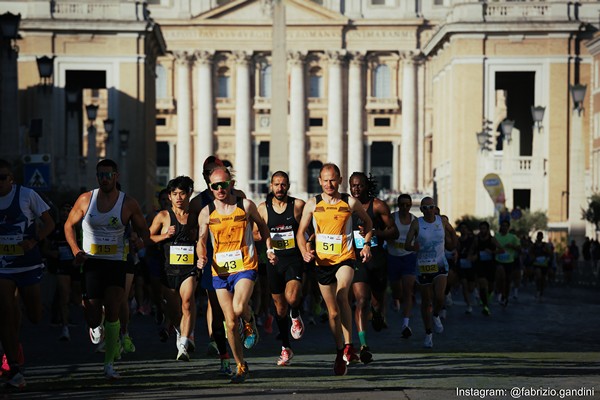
{"x":297,"y":152}
{"x":355,"y":114}
{"x":184,"y":115}
{"x":335,"y":133}
{"x":204,"y":146}
{"x":577,"y":200}
{"x":243,"y":148}
{"x":92,"y":156}
{"x":408,"y":157}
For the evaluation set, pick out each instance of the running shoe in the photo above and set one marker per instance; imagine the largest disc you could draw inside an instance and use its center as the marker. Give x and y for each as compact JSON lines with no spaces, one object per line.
{"x":437,"y":325}
{"x":469,"y":310}
{"x":339,"y":366}
{"x":428,"y":343}
{"x":443,"y":313}
{"x":225,"y":369}
{"x":449,"y":301}
{"x":297,"y":328}
{"x":127,"y":344}
{"x":191,"y":344}
{"x":5,"y":368}
{"x":250,"y":334}
{"x":16,"y":381}
{"x":486,"y":311}
{"x":110,"y":372}
{"x":286,"y":356}
{"x":268,"y":326}
{"x":212,"y":350}
{"x":406,"y":332}
{"x":365,"y":355}
{"x":242,"y":373}
{"x":182,"y":354}
{"x":65,"y":335}
{"x":350,"y":355}
{"x":377,"y":321}
{"x":97,"y":334}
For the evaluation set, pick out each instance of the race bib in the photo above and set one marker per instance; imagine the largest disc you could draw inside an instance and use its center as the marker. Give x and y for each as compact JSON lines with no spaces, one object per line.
{"x":103,"y":246}
{"x":427,"y":263}
{"x":540,"y":261}
{"x":181,"y":255}
{"x":359,"y":240}
{"x":428,"y":268}
{"x":283,"y":240}
{"x":9,"y":245}
{"x":397,"y":245}
{"x":329,"y":244}
{"x":229,"y":262}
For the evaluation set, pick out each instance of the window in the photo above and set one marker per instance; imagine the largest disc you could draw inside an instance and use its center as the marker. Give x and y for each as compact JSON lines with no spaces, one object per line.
{"x":223,"y":121}
{"x":316,"y":83}
{"x":315,"y":122}
{"x":382,"y":122}
{"x":161,"y":82}
{"x":378,"y":2}
{"x":265,"y":82}
{"x":381,"y":84}
{"x":161,"y":122}
{"x":223,"y":82}
{"x":314,"y":167}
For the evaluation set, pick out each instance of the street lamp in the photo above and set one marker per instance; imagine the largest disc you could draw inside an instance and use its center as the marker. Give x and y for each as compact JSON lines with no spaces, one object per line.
{"x":45,"y":66}
{"x":537,"y":114}
{"x":91,"y":111}
{"x":483,"y":140}
{"x":124,"y":141}
{"x":9,"y":28}
{"x":578,"y":94}
{"x":108,"y":128}
{"x":506,"y":127}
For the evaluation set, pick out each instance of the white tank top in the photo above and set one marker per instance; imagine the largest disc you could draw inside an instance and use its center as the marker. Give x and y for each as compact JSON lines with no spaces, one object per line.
{"x":431,"y":257}
{"x":104,"y":233}
{"x":396,"y":247}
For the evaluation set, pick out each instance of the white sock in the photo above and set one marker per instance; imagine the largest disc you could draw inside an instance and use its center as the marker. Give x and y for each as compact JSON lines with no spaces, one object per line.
{"x":405,"y":321}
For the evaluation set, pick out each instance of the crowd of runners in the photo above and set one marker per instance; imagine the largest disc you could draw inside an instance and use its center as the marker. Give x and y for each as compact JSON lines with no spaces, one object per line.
{"x":337,"y":255}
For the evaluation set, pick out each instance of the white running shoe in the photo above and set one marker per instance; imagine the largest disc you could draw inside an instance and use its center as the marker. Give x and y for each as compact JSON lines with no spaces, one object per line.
{"x":97,"y":334}
{"x":183,"y":355}
{"x":110,"y":372}
{"x":428,"y":343}
{"x":286,"y":356}
{"x":443,"y":313}
{"x":65,"y":335}
{"x":437,"y":325}
{"x":297,"y":328}
{"x":449,"y":301}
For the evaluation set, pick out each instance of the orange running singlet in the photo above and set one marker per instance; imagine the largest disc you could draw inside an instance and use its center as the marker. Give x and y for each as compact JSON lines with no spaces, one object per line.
{"x":333,"y":230}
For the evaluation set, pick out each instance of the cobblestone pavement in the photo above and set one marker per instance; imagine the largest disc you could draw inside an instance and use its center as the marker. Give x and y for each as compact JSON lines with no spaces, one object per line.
{"x":546,"y":346}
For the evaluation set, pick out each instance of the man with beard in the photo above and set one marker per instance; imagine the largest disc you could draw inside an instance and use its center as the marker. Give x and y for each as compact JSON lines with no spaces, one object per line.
{"x":104,"y":213}
{"x":282,"y":214}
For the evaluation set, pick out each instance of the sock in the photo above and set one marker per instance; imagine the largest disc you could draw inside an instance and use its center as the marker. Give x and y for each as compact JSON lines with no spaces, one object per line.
{"x":295,"y":312}
{"x":362,"y":336}
{"x":405,"y":321}
{"x":183,"y":341}
{"x":111,"y":341}
{"x":284,"y":326}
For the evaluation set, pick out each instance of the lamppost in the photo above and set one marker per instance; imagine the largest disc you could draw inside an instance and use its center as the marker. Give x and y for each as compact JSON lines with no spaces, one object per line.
{"x":45,"y":66}
{"x":91,"y":111}
{"x":9,"y":29}
{"x":537,"y":114}
{"x":9,"y":91}
{"x":123,"y":146}
{"x":109,"y":125}
{"x":576,"y":160}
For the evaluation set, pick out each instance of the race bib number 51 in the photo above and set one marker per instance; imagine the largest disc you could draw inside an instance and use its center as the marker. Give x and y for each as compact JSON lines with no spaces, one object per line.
{"x":229,"y":262}
{"x":329,"y":244}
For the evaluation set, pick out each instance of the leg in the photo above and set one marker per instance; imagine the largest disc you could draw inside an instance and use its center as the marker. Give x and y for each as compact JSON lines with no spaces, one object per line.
{"x":233,"y":334}
{"x":9,"y":320}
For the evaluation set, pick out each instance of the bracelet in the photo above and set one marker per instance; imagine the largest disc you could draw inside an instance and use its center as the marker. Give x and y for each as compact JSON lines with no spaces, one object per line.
{"x":270,"y":251}
{"x":367,"y":244}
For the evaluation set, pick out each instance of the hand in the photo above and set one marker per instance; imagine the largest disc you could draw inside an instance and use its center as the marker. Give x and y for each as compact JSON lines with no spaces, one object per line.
{"x":308,"y":256}
{"x":365,"y":254}
{"x":201,"y":261}
{"x":273,"y":259}
{"x":28,"y":244}
{"x":80,"y":257}
{"x":170,"y":231}
{"x":361,"y":230}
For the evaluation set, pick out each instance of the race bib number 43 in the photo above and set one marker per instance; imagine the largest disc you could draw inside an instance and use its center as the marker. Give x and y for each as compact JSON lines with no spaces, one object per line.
{"x":181,"y":255}
{"x":9,"y":246}
{"x":283,"y":240}
{"x":329,"y":244}
{"x":102,"y":246}
{"x":229,"y":262}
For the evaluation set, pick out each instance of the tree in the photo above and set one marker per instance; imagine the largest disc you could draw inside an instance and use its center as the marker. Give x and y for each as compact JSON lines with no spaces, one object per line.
{"x":528,"y":223}
{"x":592,"y":214}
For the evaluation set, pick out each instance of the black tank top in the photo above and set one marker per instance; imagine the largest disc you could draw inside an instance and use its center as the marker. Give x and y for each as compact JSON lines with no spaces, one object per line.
{"x":176,"y":248}
{"x":377,"y":224}
{"x":283,"y":228}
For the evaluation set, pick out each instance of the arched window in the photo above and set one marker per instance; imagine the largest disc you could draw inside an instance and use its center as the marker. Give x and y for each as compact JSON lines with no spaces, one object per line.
{"x":382,"y":84}
{"x":223,"y":82}
{"x":265,"y":82}
{"x":313,"y":176}
{"x":315,"y":88}
{"x":161,"y":82}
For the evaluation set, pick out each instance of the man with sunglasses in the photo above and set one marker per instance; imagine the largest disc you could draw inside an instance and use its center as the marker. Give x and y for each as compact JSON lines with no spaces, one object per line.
{"x":282,"y":214}
{"x":20,"y":264}
{"x":427,"y":236}
{"x":104,"y":213}
{"x":229,"y":221}
{"x":214,"y":315}
{"x":331,"y":215}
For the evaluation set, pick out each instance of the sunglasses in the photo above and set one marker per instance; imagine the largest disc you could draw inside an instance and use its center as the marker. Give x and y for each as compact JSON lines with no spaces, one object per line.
{"x":105,"y":175}
{"x":428,"y":207}
{"x":220,"y":185}
{"x":4,"y":177}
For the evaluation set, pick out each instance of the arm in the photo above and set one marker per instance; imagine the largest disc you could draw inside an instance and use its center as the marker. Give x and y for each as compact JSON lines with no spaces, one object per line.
{"x":298,"y":208}
{"x":390,"y":231}
{"x":357,"y":208}
{"x":158,"y":233}
{"x":75,"y":216}
{"x":451,"y":238}
{"x":203,"y":220}
{"x":262,"y":228}
{"x":47,"y":228}
{"x":137,"y":221}
{"x":307,"y":213}
{"x":411,"y":243}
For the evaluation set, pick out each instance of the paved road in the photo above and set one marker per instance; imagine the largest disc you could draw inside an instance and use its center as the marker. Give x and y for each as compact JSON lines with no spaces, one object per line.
{"x":553,"y":344}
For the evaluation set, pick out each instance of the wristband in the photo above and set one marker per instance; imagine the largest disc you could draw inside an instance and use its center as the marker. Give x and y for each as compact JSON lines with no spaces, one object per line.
{"x":367,"y":244}
{"x":270,"y":251}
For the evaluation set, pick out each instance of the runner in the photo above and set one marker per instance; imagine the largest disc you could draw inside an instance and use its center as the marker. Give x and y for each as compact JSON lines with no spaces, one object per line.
{"x":330,"y":213}
{"x":506,"y":260}
{"x":466,"y":271}
{"x":541,"y":254}
{"x":485,"y":248}
{"x":282,"y":214}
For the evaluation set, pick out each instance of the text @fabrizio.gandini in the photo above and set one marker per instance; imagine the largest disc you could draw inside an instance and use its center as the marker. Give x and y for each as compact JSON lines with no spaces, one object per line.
{"x":519,"y":392}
